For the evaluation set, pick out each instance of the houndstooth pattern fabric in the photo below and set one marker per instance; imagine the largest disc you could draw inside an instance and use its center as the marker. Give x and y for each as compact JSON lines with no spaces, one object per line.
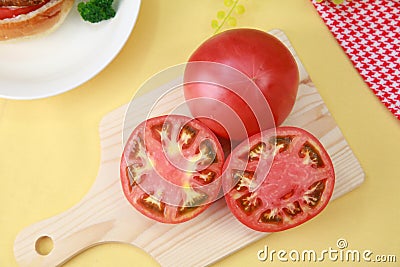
{"x":369,"y":33}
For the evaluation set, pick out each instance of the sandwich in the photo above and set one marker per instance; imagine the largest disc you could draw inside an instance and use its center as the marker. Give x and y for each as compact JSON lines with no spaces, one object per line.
{"x":27,"y":18}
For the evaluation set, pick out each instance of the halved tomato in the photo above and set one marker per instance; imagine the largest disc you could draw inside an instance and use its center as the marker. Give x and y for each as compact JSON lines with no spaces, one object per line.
{"x":171,"y":168}
{"x":11,"y":12}
{"x":279,"y":179}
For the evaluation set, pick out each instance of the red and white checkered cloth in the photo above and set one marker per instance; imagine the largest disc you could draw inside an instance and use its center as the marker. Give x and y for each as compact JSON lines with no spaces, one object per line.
{"x":369,"y":33}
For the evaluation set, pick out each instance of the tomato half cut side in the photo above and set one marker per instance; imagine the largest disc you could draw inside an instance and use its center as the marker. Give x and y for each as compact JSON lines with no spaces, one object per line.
{"x":171,"y":168}
{"x":281,"y":178}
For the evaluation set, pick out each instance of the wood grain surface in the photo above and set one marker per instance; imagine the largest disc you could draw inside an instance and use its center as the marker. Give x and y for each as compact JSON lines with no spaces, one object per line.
{"x":104,"y":214}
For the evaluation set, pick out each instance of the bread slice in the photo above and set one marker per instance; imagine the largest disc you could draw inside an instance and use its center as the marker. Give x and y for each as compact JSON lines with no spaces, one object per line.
{"x":20,"y":2}
{"x":43,"y":20}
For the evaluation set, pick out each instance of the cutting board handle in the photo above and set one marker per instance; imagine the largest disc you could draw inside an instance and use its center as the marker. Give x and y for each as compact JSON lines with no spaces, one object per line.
{"x":28,"y":248}
{"x":102,"y":216}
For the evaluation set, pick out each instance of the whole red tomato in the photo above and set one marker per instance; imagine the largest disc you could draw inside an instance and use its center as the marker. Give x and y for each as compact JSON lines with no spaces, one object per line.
{"x":278,"y":179}
{"x":268,"y":71}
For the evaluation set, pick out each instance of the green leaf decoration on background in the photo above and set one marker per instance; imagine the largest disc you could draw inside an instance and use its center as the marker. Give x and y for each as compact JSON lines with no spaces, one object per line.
{"x":227,"y":17}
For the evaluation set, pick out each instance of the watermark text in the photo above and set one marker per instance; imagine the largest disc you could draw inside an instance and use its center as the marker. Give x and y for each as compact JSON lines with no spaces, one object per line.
{"x":340,"y":253}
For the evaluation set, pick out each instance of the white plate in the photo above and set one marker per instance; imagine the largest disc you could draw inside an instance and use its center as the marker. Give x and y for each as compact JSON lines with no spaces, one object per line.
{"x":71,"y":55}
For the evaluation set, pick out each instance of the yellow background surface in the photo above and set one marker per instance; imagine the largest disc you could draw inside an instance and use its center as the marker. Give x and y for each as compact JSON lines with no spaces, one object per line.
{"x":50,"y":152}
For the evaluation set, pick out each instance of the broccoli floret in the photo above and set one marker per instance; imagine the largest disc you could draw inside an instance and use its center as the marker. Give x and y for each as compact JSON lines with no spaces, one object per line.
{"x":96,"y":10}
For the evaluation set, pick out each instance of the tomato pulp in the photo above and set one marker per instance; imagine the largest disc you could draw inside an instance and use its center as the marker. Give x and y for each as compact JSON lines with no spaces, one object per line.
{"x":259,"y":56}
{"x":11,"y":12}
{"x":281,"y":178}
{"x":171,"y":168}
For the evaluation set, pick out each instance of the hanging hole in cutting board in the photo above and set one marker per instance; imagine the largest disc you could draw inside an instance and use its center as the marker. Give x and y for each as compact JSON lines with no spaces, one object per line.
{"x":44,"y":245}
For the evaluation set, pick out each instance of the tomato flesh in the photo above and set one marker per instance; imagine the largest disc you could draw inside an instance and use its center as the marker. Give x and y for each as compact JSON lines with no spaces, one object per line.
{"x":11,"y":12}
{"x":282,"y":178}
{"x":259,"y":56}
{"x":171,"y":168}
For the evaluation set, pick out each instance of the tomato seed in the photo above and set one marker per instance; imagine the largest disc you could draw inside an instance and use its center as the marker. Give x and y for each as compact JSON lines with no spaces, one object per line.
{"x":309,"y":152}
{"x":249,"y":203}
{"x":205,"y":176}
{"x":242,"y":179}
{"x":152,"y":203}
{"x":314,"y":193}
{"x":282,"y":142}
{"x":293,"y":209}
{"x":256,"y":151}
{"x":187,"y":135}
{"x":270,"y":216}
{"x":208,"y":154}
{"x":160,"y":131}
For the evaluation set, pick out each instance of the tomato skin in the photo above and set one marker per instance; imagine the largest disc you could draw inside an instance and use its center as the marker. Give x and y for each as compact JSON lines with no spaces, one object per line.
{"x":270,"y":193}
{"x":261,"y":57}
{"x":171,"y":168}
{"x":11,"y":12}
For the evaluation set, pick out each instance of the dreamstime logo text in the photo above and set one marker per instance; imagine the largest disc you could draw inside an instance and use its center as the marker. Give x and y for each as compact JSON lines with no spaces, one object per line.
{"x":340,"y":253}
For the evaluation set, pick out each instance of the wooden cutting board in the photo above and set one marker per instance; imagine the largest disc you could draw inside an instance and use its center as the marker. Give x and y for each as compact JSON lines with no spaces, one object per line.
{"x":104,"y":214}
